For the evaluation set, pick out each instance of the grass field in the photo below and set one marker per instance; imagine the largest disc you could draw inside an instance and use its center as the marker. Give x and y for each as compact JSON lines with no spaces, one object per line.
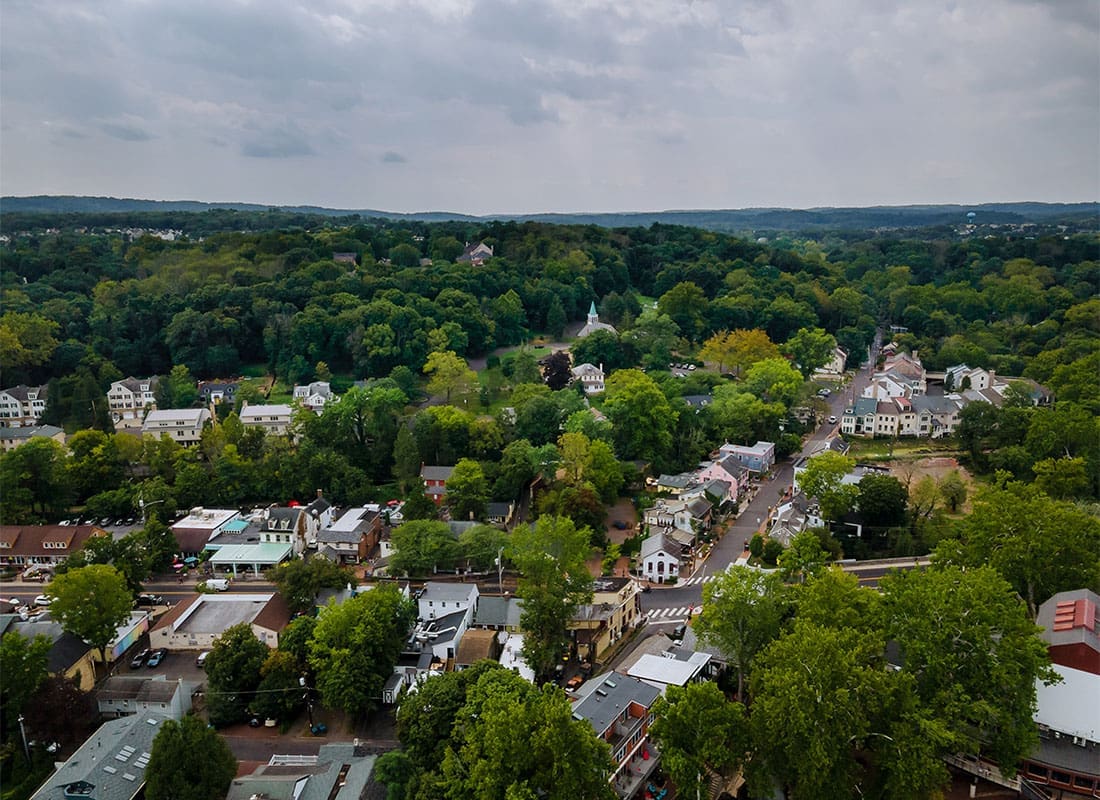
{"x":890,"y":449}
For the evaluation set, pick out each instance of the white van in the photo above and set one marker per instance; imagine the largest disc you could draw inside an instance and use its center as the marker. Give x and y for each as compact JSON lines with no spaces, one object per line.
{"x":218,"y":584}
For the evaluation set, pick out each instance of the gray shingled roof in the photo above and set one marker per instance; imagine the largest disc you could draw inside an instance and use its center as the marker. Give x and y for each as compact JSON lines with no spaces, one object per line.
{"x":611,"y":694}
{"x":112,"y":760}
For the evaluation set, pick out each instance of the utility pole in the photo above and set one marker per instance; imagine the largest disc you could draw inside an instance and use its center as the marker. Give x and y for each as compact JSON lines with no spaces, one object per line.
{"x":500,"y":571}
{"x":309,"y":701}
{"x":23,"y":731}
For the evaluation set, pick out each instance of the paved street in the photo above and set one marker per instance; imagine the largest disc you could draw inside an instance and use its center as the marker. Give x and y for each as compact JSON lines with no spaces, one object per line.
{"x":673,"y":605}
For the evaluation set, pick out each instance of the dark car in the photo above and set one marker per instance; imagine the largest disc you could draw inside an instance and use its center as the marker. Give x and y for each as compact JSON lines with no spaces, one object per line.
{"x":156,"y":658}
{"x":139,"y":659}
{"x":678,"y":632}
{"x":149,"y":600}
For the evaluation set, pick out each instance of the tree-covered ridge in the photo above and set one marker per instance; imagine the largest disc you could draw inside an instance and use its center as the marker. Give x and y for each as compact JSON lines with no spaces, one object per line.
{"x":278,"y":298}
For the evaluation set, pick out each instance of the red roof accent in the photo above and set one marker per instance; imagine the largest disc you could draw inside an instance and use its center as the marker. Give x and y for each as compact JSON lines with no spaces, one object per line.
{"x":1075,"y":614}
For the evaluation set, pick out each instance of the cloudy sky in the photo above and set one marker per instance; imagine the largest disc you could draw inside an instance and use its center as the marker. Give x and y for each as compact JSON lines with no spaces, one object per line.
{"x":486,"y":106}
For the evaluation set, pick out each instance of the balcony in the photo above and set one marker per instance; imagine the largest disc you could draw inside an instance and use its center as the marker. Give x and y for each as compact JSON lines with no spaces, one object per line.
{"x":633,"y":773}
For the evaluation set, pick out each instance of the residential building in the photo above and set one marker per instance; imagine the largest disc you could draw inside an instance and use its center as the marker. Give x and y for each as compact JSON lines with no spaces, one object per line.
{"x":593,"y":324}
{"x":122,"y":695}
{"x":349,"y":539}
{"x":22,"y":405}
{"x":183,"y":425}
{"x":274,"y":419}
{"x":110,"y":765}
{"x":23,"y":545}
{"x":758,"y":458}
{"x":674,"y":484}
{"x":477,"y":254}
{"x":195,"y":531}
{"x":614,"y":612}
{"x":1067,"y":759}
{"x":674,"y":667}
{"x":435,"y":481}
{"x":439,"y":599}
{"x":315,"y":396}
{"x":925,"y":416}
{"x":69,"y":655}
{"x":345,"y":258}
{"x":11,"y":438}
{"x":727,"y":469}
{"x":498,"y":613}
{"x":195,"y":622}
{"x":697,"y":402}
{"x":477,"y":644}
{"x":620,"y":710}
{"x":961,"y":377}
{"x":131,"y":398}
{"x":662,"y":558}
{"x":500,"y":513}
{"x":339,"y":771}
{"x":836,"y":363}
{"x":590,"y":377}
{"x":217,"y":392}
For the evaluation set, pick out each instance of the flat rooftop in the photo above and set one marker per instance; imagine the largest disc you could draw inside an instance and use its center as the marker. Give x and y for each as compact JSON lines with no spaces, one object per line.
{"x":214,"y":614}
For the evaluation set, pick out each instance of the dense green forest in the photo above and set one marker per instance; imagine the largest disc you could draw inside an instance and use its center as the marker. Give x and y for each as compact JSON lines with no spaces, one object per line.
{"x":84,"y":309}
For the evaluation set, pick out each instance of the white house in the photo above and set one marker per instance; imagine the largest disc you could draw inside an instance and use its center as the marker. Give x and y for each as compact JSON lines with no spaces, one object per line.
{"x":11,"y":438}
{"x":130,"y":398}
{"x":836,"y":363}
{"x":661,"y":558}
{"x":183,"y":425}
{"x":314,"y":395}
{"x":274,"y":419}
{"x":22,"y":405}
{"x":590,"y":377}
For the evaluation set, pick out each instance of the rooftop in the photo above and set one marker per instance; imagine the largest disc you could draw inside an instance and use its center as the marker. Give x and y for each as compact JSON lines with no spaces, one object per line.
{"x":607,"y":696}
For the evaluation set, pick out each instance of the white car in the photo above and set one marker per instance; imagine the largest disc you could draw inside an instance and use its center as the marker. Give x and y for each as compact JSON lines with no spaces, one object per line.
{"x":42,"y":600}
{"x":832,"y":420}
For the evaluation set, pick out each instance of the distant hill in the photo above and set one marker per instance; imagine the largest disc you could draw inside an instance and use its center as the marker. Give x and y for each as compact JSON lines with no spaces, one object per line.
{"x":757,"y":219}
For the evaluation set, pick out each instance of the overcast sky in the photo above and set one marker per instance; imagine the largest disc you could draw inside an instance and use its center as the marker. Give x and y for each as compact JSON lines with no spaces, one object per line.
{"x":485,"y":106}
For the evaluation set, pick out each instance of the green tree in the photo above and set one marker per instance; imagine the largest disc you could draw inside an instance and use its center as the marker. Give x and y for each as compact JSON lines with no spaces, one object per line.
{"x":299,"y":581}
{"x":279,"y":694}
{"x":687,"y":306}
{"x":654,"y":337}
{"x":774,"y":380}
{"x":1040,"y":545}
{"x":973,"y":653}
{"x":177,"y":749}
{"x":554,"y":582}
{"x":421,"y":546}
{"x":233,"y":673}
{"x":480,"y":545}
{"x":519,"y":742}
{"x":700,"y":733}
{"x":811,"y":348}
{"x":23,"y":663}
{"x":822,"y":478}
{"x":952,"y":489}
{"x":26,"y":340}
{"x":356,"y":645}
{"x":816,"y":695}
{"x":525,"y":368}
{"x":33,"y":479}
{"x":61,"y":712}
{"x":555,"y":318}
{"x":641,"y":415}
{"x":406,"y":457}
{"x":882,"y":501}
{"x":91,"y":602}
{"x":517,"y":469}
{"x":1062,"y":478}
{"x":418,"y":506}
{"x":450,"y":376}
{"x":742,"y":612}
{"x":467,"y":491}
{"x":803,"y":558}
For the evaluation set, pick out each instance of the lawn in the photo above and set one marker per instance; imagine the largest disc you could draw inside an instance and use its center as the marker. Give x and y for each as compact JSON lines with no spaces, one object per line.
{"x":888,"y":449}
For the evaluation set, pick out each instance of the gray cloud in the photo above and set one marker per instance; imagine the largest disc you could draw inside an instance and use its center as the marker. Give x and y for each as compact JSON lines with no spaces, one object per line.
{"x":127,"y":133}
{"x":553,"y":105}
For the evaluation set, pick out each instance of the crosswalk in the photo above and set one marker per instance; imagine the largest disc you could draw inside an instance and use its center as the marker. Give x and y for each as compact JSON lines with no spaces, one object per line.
{"x":695,"y":581}
{"x":669,"y":614}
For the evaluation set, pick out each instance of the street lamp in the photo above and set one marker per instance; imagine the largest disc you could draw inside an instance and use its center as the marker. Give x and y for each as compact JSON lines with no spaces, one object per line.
{"x":309,"y":700}
{"x":144,"y":508}
{"x":500,"y":570}
{"x":26,"y":749}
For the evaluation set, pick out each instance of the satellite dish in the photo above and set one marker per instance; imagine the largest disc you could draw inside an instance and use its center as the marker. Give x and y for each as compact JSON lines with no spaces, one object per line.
{"x":971,"y":216}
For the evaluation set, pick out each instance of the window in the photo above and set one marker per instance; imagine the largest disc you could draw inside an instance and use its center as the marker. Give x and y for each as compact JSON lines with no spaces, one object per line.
{"x":1058,"y":776}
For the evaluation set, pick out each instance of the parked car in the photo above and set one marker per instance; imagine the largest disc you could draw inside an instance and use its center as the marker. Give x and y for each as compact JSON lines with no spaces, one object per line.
{"x":43,"y":601}
{"x":832,"y":419}
{"x":218,"y":584}
{"x":145,"y":600}
{"x":156,"y":658}
{"x":200,"y":660}
{"x":139,"y":659}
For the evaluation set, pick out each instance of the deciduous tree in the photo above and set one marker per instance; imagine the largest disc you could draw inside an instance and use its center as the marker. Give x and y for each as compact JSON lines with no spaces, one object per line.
{"x":299,"y":581}
{"x":91,"y":602}
{"x":421,"y":546}
{"x":554,"y":582}
{"x":233,"y":673}
{"x":188,"y":761}
{"x":467,"y":491}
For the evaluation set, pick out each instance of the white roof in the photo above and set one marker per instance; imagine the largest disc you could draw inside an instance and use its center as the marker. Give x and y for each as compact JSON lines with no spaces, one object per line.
{"x":663,"y":670}
{"x":274,"y":410}
{"x":1070,"y":707}
{"x":438,"y":591}
{"x":351,"y":518}
{"x":190,"y":416}
{"x":512,"y":657}
{"x":206,"y":518}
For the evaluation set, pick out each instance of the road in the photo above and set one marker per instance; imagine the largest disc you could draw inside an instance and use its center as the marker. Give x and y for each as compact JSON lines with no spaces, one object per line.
{"x":672,"y":605}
